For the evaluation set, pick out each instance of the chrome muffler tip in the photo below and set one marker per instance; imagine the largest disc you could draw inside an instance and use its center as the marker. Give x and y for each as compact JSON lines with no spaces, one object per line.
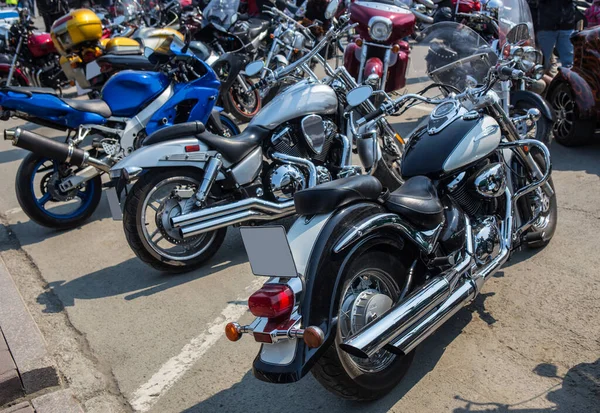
{"x":12,"y":135}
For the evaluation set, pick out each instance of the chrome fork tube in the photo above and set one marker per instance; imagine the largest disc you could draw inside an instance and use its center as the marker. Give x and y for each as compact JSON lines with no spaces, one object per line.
{"x":386,"y":64}
{"x":13,"y":64}
{"x":363,"y":61}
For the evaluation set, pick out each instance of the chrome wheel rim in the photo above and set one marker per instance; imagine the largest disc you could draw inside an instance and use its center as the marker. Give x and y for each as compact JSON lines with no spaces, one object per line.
{"x":366,"y":286}
{"x":565,"y":113}
{"x":156,"y":229}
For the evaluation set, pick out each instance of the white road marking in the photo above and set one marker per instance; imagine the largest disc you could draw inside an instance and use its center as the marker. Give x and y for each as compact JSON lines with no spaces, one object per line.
{"x":148,"y":394}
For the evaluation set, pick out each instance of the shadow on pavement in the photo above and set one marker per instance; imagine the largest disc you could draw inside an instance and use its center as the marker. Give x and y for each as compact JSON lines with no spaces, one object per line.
{"x":250,"y":392}
{"x":578,"y":392}
{"x":583,"y":158}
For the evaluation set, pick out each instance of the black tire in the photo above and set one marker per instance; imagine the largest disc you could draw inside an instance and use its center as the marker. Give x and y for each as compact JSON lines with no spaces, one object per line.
{"x":549,"y":219}
{"x":238,"y":105}
{"x":569,"y":129}
{"x":132,"y":225}
{"x":543,"y":126}
{"x":28,"y":201}
{"x":336,"y":371}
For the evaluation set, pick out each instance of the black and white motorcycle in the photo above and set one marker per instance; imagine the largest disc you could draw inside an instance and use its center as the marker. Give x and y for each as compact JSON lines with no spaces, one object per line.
{"x":365,"y":275}
{"x":190,"y":185}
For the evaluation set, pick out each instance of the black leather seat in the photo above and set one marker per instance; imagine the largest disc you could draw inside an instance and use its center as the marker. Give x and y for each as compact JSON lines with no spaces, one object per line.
{"x":29,"y":90}
{"x":182,"y":130}
{"x":234,"y":149}
{"x":96,"y":106}
{"x":257,"y":26}
{"x":127,"y":62}
{"x":417,"y":201}
{"x":332,"y":195}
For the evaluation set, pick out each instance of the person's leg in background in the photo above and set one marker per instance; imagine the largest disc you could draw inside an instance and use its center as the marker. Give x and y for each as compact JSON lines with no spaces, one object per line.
{"x":47,"y":21}
{"x":31,"y":6}
{"x":565,"y":48}
{"x":547,"y":40}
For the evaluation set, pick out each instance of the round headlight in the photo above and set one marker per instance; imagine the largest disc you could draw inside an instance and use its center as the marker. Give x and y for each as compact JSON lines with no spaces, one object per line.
{"x":380,"y":28}
{"x":538,"y":72}
{"x":517,"y":51}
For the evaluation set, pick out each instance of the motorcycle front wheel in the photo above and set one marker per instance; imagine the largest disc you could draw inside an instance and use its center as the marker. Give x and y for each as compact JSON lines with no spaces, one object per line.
{"x":243,"y":106}
{"x":39,"y":195}
{"x":372,"y":278}
{"x":152,"y":202}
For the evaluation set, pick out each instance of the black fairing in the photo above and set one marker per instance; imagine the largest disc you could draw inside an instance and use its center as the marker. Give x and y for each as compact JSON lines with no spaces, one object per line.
{"x":425,"y":154}
{"x":322,"y":280}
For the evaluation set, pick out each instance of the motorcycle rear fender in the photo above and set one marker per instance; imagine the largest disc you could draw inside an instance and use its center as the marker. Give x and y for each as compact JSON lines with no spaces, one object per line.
{"x":534,"y":99}
{"x":583,"y":89}
{"x":18,"y":74}
{"x":321,"y":270}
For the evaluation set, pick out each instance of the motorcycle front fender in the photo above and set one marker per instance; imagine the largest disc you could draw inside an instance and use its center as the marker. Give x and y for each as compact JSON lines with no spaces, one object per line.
{"x":582,"y":88}
{"x":236,"y":62}
{"x":17,"y":75}
{"x":533,"y":99}
{"x":322,"y":271}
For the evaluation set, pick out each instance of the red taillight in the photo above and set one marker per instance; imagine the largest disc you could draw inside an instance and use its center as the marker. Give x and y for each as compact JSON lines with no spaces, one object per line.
{"x":272,"y":301}
{"x":477,"y":6}
{"x":192,"y":148}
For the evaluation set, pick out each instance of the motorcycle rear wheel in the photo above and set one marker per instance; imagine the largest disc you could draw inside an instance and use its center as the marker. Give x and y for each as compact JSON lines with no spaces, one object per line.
{"x":54,"y":208}
{"x":145,"y":245}
{"x":347,"y":376}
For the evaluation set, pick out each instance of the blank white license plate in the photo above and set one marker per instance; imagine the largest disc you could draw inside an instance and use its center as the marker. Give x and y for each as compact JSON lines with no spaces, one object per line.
{"x":92,"y":70}
{"x":268,"y":251}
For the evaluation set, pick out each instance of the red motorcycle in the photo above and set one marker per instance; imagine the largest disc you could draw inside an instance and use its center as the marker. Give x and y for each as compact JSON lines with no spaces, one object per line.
{"x":379,"y":54}
{"x":32,"y":59}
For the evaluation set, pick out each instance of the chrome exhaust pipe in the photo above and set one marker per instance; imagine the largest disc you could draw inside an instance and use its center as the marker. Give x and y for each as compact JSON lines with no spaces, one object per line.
{"x":406,"y":333}
{"x":395,"y":321}
{"x":236,"y":213}
{"x":263,"y":205}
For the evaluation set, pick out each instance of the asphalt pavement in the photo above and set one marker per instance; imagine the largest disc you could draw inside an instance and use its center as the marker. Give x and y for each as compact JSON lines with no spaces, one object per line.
{"x":126,"y":337}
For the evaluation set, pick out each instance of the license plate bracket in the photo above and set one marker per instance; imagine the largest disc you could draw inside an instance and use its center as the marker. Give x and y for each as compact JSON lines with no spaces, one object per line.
{"x":268,"y":251}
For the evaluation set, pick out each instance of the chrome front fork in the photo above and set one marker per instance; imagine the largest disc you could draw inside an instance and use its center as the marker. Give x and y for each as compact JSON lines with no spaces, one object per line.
{"x":363,"y":61}
{"x":13,"y":64}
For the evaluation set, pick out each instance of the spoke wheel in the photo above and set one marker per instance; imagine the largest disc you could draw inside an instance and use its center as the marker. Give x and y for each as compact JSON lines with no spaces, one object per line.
{"x":569,"y":129}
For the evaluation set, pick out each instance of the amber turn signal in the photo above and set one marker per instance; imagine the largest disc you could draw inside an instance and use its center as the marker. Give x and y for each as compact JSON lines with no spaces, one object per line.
{"x":272,"y":36}
{"x":313,"y":337}
{"x":232,"y":331}
{"x":395,"y":48}
{"x":399,"y":138}
{"x":359,"y":42}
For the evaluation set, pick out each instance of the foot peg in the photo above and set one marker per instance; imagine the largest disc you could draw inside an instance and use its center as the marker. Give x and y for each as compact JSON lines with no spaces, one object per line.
{"x":533,"y":237}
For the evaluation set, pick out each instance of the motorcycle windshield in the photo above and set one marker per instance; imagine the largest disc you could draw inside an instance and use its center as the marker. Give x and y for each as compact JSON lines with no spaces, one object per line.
{"x":222,"y":13}
{"x":450,"y":53}
{"x":512,"y":13}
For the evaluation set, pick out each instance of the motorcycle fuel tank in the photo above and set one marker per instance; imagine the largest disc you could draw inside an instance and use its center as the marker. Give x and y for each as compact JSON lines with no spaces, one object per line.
{"x":461,"y":142}
{"x":298,"y":100}
{"x":40,"y":44}
{"x":127,"y":92}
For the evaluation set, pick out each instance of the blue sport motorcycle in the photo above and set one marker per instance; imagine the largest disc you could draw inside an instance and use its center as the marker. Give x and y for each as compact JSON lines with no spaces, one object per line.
{"x":59,"y":184}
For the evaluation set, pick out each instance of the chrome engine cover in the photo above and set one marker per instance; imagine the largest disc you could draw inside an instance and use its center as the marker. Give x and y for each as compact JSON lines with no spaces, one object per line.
{"x":285,"y":181}
{"x":323,"y":175}
{"x":486,"y":237}
{"x":490,"y":181}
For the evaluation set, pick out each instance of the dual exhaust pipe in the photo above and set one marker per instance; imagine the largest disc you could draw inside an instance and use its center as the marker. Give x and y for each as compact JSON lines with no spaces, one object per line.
{"x":58,"y":151}
{"x":209,"y":219}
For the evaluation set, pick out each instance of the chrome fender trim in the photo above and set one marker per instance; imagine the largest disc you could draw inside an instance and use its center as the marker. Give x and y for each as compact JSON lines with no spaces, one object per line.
{"x":425,"y":240}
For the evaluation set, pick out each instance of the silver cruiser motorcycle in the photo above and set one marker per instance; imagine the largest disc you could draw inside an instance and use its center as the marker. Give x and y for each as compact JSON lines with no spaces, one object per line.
{"x":190,"y":185}
{"x":364,"y":275}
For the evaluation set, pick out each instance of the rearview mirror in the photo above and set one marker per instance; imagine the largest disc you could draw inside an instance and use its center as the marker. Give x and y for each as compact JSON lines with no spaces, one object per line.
{"x":358,"y":95}
{"x":254,"y":68}
{"x":331,"y":9}
{"x":518,"y":34}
